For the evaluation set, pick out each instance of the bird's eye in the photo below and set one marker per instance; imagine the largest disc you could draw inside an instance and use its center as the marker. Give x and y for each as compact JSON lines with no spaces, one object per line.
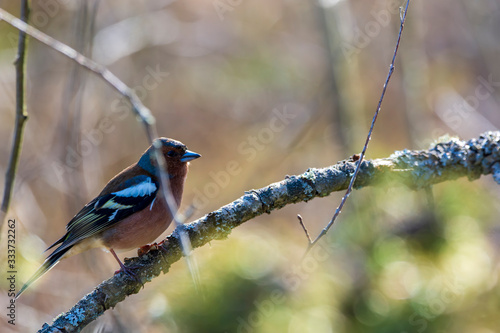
{"x":171,"y":153}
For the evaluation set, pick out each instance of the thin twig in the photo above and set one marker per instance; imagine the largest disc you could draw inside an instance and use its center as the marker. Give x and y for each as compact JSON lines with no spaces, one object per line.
{"x":178,"y":220}
{"x":140,"y":109}
{"x":21,"y":116}
{"x":305,"y":229}
{"x":416,"y":169}
{"x":368,"y":138}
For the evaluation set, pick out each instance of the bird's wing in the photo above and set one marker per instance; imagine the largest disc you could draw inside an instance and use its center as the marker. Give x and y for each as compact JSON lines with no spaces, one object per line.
{"x":104,"y":211}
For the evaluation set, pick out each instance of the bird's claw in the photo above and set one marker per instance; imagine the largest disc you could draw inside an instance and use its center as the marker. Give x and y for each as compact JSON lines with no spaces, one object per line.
{"x":150,"y":247}
{"x":129,"y":271}
{"x":146,"y":248}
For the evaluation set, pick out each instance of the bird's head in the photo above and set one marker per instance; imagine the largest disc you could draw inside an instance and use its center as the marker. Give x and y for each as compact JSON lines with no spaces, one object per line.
{"x":176,"y":155}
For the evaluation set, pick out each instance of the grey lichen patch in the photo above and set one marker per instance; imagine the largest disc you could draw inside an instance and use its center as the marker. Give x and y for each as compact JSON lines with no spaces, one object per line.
{"x":308,"y":184}
{"x":366,"y":175}
{"x":294,"y":188}
{"x":329,"y":180}
{"x":75,"y":317}
{"x":422,"y":166}
{"x":252,"y":202}
{"x":444,"y":139}
{"x":310,"y":174}
{"x":452,"y":159}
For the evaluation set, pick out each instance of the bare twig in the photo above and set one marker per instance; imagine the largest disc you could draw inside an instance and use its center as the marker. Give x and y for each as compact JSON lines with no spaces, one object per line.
{"x":368,"y":138}
{"x":21,"y":116}
{"x":305,"y":229}
{"x":140,"y":109}
{"x":416,"y":169}
{"x":178,"y":220}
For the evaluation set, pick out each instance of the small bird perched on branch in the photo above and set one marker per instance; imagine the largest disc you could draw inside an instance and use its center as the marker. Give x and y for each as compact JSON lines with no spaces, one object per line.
{"x":129,"y":212}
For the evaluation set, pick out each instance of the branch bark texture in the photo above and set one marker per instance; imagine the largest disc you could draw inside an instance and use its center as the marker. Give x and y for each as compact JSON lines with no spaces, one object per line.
{"x":416,"y":169}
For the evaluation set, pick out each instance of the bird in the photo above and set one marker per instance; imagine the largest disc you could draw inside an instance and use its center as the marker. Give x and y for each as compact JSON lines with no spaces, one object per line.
{"x":129,"y":212}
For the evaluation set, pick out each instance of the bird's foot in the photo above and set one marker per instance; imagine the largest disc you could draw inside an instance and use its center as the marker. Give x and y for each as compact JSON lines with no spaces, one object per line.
{"x":146,"y":248}
{"x":162,"y":246}
{"x":129,"y":271}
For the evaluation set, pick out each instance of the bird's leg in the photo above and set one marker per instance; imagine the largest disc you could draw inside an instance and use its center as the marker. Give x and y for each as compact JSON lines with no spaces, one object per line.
{"x":125,"y":269}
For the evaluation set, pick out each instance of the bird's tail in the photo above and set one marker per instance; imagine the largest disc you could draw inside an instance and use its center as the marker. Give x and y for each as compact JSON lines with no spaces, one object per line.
{"x":50,"y":262}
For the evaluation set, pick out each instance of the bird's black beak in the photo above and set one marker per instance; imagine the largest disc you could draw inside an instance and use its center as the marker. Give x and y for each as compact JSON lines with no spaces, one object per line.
{"x":189,"y":156}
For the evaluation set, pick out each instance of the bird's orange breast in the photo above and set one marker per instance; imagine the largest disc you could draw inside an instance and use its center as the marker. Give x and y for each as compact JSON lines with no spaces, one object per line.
{"x":140,"y":228}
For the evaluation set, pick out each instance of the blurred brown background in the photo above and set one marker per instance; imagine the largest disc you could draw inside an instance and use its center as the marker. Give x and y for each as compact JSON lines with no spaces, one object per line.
{"x":266,"y":88}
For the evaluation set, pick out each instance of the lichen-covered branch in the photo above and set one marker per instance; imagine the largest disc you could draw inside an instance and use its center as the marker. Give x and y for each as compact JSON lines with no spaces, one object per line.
{"x":416,"y":169}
